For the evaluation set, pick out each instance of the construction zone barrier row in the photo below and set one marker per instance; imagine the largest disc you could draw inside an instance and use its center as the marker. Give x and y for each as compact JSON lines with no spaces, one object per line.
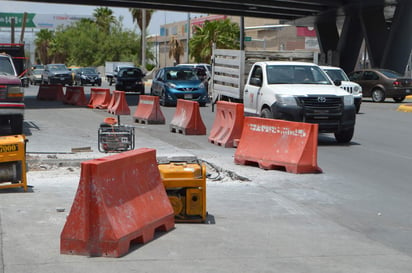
{"x":148,"y":111}
{"x":120,"y":200}
{"x":187,"y":119}
{"x":50,"y":92}
{"x":99,"y":98}
{"x":118,"y":104}
{"x":279,"y":144}
{"x":228,"y":125}
{"x":75,"y":96}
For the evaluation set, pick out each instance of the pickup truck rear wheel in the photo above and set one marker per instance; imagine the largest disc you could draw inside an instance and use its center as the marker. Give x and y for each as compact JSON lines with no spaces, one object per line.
{"x":344,"y":136}
{"x":266,"y":113}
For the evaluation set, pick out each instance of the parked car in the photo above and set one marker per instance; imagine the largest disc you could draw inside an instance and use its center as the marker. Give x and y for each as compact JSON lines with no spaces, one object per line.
{"x":207,"y":68}
{"x":35,"y":76}
{"x":130,"y":79}
{"x":87,"y":75}
{"x":382,"y":83}
{"x":57,"y":74}
{"x":337,"y":74}
{"x":178,"y":82}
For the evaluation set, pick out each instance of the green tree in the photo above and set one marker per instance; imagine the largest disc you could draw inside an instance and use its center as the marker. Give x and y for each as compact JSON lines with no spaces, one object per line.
{"x":223,"y":33}
{"x":104,"y":18}
{"x":176,"y":49}
{"x":137,"y":15}
{"x":43,"y":40}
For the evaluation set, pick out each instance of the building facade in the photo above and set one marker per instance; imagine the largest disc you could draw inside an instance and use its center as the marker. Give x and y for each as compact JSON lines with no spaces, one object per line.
{"x":260,"y":34}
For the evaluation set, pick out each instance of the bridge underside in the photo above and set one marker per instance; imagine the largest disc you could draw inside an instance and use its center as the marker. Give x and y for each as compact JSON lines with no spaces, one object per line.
{"x":342,"y":25}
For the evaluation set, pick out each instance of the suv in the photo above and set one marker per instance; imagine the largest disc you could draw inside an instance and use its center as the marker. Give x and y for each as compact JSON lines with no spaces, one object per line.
{"x":11,"y":96}
{"x":56,"y":74}
{"x":130,"y":79}
{"x":302,"y":92}
{"x":337,"y":74}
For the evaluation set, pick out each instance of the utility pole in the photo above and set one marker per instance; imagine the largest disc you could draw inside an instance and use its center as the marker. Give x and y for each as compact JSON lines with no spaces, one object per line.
{"x":188,"y":38}
{"x":144,"y":39}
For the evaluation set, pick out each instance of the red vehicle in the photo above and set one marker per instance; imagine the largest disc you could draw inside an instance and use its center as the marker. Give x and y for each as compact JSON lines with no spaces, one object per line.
{"x":11,"y":96}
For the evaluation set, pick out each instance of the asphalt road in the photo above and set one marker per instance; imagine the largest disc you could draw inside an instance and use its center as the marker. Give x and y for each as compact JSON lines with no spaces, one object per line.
{"x":354,"y":217}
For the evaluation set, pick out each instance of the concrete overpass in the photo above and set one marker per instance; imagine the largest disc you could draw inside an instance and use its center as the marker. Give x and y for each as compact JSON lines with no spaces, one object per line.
{"x":341,"y":25}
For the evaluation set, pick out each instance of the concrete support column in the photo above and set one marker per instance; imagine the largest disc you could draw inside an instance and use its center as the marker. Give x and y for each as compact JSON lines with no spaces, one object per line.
{"x":399,"y":43}
{"x":375,"y":31}
{"x":350,"y":40}
{"x":328,"y":35}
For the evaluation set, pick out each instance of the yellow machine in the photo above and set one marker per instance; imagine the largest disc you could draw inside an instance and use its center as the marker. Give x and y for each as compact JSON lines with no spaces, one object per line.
{"x":13,"y":162}
{"x":184,"y":179}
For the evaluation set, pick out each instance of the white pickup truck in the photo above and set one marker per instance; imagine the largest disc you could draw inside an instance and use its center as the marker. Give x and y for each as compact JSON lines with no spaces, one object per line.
{"x":302,"y":92}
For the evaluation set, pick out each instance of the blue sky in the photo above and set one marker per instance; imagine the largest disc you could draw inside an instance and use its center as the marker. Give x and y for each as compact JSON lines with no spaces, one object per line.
{"x":158,"y":18}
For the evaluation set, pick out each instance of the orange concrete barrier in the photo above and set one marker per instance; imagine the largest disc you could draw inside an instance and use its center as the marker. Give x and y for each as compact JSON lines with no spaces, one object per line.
{"x":118,"y":105}
{"x":148,"y":111}
{"x":279,"y":144}
{"x":50,"y":92}
{"x":120,"y":200}
{"x":228,"y":125}
{"x":75,"y":96}
{"x":187,"y":119}
{"x":99,"y":98}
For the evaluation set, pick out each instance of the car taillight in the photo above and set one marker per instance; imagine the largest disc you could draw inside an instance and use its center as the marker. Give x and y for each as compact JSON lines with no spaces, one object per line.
{"x":397,"y":83}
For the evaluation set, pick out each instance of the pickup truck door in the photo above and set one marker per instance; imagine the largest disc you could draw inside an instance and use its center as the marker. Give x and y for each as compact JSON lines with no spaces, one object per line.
{"x":251,"y":91}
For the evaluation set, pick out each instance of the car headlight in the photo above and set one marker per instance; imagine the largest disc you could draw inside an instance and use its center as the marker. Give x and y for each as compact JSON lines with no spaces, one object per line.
{"x":171,"y":85}
{"x":286,"y":99}
{"x":348,"y":100}
{"x":201,"y":85}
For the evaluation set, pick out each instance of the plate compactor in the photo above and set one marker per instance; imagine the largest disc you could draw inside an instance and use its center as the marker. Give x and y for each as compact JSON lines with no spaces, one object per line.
{"x":13,"y":162}
{"x":184,"y":178}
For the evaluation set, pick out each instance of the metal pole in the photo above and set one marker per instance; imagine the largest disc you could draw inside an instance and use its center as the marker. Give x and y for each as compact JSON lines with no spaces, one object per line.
{"x":144,"y":39}
{"x":188,"y":38}
{"x":242,"y":33}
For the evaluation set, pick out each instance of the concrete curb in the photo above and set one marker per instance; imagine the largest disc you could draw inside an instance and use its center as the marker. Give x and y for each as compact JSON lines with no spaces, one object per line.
{"x":405,"y":107}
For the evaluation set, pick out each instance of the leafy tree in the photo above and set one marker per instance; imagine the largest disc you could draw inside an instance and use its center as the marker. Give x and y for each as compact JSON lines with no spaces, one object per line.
{"x":176,"y":49}
{"x":104,"y":18}
{"x":223,"y":33}
{"x":85,"y":44}
{"x":43,"y":39}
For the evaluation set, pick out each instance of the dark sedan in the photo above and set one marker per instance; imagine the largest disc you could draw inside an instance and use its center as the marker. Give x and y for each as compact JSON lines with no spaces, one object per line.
{"x":382,"y":83}
{"x":87,"y":75}
{"x":130,"y":79}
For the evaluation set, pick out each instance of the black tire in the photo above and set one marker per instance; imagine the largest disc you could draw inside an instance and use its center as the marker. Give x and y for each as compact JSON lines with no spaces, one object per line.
{"x":344,"y":136}
{"x":266,"y":113}
{"x":16,"y":125}
{"x":399,"y":99}
{"x":378,"y":95}
{"x":162,"y":99}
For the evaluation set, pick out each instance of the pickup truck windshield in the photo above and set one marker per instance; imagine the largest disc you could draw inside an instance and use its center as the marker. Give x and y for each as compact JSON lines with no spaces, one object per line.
{"x":6,"y":68}
{"x":296,"y":74}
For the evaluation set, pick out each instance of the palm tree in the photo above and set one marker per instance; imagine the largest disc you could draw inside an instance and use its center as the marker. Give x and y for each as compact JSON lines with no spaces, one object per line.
{"x":104,"y":18}
{"x":223,"y":33}
{"x":43,"y":41}
{"x":176,"y":49}
{"x":137,"y":15}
